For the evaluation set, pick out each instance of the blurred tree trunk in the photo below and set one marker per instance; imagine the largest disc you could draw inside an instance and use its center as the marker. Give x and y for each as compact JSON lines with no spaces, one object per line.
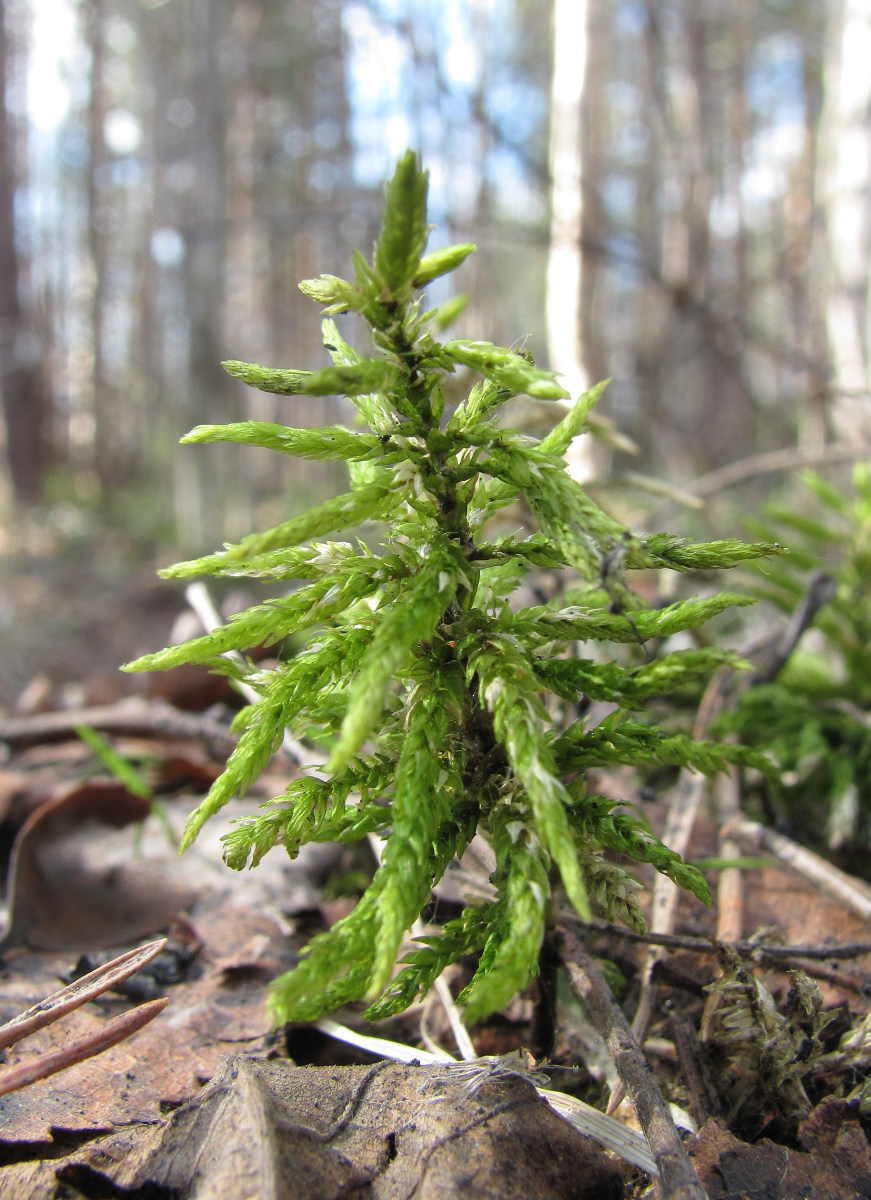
{"x":105,"y":448}
{"x":564,"y":268}
{"x":288,"y":185}
{"x":26,"y":402}
{"x":205,"y":486}
{"x":846,"y":191}
{"x":809,"y":266}
{"x":697,"y":399}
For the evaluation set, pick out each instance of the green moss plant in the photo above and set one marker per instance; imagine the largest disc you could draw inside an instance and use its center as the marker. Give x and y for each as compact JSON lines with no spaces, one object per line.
{"x":434,"y":693}
{"x":814,"y":715}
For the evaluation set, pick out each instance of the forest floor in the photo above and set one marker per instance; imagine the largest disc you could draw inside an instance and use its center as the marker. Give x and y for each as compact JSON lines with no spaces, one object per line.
{"x":766,"y":1066}
{"x":72,"y":612}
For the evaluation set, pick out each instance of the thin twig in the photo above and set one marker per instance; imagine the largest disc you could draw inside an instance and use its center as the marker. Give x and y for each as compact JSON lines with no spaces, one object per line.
{"x":461,"y":1034}
{"x":756,"y":950}
{"x":730,"y":885}
{"x":677,"y":1179}
{"x":687,"y":796}
{"x":775,"y":460}
{"x":704,"y":1100}
{"x":683,"y":809}
{"x":820,"y":590}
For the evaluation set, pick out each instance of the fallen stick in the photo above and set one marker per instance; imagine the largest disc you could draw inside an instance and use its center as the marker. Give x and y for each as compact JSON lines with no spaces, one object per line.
{"x":837,"y":884}
{"x":730,"y":885}
{"x":787,"y":459}
{"x":677,"y":1178}
{"x":133,"y":717}
{"x":683,"y":810}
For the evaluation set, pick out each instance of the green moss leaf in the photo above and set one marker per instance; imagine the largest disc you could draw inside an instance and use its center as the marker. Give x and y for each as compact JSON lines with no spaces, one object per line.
{"x":506,"y":369}
{"x":663,"y":550}
{"x":337,"y":294}
{"x":403,"y":237}
{"x":425,"y":782}
{"x":576,"y":623}
{"x":522,"y":874}
{"x":411,"y":618}
{"x":352,"y":379}
{"x":442,"y":262}
{"x":340,"y":512}
{"x":509,"y":691}
{"x":574,"y":422}
{"x":463,"y":935}
{"x":266,"y":624}
{"x":326,"y":444}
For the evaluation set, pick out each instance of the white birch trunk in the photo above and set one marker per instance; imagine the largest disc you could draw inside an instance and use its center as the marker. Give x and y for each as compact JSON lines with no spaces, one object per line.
{"x":846,"y":194}
{"x":564,"y":316}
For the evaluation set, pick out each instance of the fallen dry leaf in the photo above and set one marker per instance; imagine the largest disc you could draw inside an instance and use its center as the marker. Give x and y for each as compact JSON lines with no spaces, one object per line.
{"x":835,"y":1164}
{"x":272,"y":1131}
{"x":213,"y":1006}
{"x":64,"y":891}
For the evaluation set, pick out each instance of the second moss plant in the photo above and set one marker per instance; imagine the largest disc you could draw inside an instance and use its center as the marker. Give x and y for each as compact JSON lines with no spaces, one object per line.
{"x":428,"y":685}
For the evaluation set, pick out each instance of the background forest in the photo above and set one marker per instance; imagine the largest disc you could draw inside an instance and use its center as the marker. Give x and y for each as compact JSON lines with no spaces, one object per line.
{"x":672,"y":193}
